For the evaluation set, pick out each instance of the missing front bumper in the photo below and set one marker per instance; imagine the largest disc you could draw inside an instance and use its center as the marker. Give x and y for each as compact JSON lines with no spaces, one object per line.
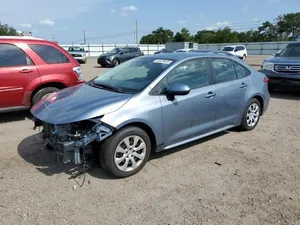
{"x":72,"y":147}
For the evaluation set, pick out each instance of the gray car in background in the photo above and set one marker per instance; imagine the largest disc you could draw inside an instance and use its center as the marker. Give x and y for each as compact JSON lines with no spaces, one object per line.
{"x":151,"y":103}
{"x":119,"y":55}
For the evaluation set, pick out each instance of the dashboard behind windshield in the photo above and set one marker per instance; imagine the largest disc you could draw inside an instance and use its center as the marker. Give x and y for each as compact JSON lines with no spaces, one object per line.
{"x":134,"y":75}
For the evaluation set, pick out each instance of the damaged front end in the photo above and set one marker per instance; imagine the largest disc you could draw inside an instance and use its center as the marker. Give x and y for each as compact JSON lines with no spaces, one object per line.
{"x":73,"y":141}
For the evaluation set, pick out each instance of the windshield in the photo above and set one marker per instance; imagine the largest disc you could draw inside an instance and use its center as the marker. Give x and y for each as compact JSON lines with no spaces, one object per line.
{"x":228,"y":49}
{"x":134,"y":75}
{"x":114,"y":51}
{"x":76,"y":49}
{"x":292,"y":50}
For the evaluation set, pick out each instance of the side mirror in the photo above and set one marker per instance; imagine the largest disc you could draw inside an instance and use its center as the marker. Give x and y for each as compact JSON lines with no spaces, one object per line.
{"x":236,"y":50}
{"x":177,"y":89}
{"x":121,"y":53}
{"x":276,"y":54}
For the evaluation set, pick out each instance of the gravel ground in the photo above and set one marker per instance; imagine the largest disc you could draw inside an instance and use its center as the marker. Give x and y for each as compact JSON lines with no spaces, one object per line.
{"x":232,"y":178}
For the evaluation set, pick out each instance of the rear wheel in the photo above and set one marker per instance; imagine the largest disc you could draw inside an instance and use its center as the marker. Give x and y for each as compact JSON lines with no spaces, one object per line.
{"x":251,"y":115}
{"x":126,"y":152}
{"x":43,"y":93}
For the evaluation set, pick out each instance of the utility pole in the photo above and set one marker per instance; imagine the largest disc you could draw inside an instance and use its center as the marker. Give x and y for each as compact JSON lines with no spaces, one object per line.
{"x":53,"y":37}
{"x":84,"y":40}
{"x":136,"y":32}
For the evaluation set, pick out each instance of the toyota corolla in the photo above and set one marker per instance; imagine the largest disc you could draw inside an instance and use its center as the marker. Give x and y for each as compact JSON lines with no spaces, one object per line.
{"x":151,"y":103}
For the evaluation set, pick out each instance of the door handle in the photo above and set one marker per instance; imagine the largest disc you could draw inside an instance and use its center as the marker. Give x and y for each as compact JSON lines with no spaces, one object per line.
{"x":210,"y":95}
{"x":26,"y":71}
{"x":243,"y":85}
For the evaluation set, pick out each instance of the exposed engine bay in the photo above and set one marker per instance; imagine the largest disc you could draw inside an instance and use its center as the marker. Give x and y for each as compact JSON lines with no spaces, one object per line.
{"x":73,"y":141}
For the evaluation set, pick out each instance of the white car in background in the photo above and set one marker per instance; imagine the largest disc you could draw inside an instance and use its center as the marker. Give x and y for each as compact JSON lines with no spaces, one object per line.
{"x":237,"y":50}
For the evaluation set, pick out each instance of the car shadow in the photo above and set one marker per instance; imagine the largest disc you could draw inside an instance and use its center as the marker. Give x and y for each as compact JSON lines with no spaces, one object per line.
{"x":45,"y":161}
{"x":287,"y":94}
{"x":15,"y":116}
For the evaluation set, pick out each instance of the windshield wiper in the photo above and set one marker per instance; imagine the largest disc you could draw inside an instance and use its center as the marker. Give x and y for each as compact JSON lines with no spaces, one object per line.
{"x":106,"y":86}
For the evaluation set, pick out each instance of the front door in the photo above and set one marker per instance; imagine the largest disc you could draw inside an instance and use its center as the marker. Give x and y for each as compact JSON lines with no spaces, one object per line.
{"x":231,"y":87}
{"x":16,"y":71}
{"x":189,"y":116}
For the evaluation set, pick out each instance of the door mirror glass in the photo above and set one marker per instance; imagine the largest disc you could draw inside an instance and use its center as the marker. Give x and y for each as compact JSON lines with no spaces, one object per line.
{"x":121,"y":53}
{"x":177,"y":89}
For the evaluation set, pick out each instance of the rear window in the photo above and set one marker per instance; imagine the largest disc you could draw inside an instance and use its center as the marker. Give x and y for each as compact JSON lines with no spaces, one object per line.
{"x":49,"y":54}
{"x":228,"y":49}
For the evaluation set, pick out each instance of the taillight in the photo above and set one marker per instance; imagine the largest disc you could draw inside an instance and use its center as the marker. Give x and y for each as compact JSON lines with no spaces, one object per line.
{"x":77,"y":71}
{"x":266,"y":80}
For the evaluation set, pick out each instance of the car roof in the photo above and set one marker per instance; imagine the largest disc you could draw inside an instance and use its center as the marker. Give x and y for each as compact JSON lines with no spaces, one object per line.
{"x":184,"y":55}
{"x":295,"y":43}
{"x":21,"y":37}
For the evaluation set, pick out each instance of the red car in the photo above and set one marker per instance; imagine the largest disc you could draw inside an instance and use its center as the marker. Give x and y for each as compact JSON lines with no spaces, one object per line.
{"x":31,"y":68}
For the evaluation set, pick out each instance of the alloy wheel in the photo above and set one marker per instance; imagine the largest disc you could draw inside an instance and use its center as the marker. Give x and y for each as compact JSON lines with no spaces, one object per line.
{"x":252,"y":114}
{"x":130,"y":153}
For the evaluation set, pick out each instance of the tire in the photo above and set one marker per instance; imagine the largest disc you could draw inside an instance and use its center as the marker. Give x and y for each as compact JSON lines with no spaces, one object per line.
{"x":245,"y":126}
{"x":244,"y":57}
{"x":42,"y":93}
{"x":103,"y":66}
{"x":108,"y":153}
{"x":115,"y":62}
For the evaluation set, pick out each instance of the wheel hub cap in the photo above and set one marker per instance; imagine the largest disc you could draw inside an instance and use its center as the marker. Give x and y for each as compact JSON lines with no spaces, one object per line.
{"x":252,"y":114}
{"x":130,"y":153}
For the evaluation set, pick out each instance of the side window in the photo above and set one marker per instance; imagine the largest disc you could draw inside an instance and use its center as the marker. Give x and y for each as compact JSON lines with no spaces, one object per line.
{"x":125,"y":50}
{"x":224,"y":70}
{"x":160,"y":87}
{"x":193,"y":73}
{"x":11,"y":55}
{"x":241,"y":71}
{"x":49,"y":54}
{"x":242,"y":48}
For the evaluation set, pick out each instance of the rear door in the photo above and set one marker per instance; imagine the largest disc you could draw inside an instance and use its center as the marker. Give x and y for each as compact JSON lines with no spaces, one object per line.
{"x":17,"y":70}
{"x":54,"y":66}
{"x":231,"y":85}
{"x":125,"y":55}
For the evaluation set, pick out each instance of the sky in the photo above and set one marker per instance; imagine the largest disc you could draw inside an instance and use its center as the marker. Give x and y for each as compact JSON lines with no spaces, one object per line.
{"x":113,"y":21}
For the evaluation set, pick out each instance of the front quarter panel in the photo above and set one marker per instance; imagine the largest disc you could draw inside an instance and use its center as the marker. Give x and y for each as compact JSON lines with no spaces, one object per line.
{"x":142,"y":108}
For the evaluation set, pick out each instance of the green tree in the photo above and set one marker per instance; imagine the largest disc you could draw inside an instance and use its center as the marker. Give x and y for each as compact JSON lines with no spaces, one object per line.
{"x":7,"y":30}
{"x":225,"y":35}
{"x":205,"y":37}
{"x":159,"y":36}
{"x":268,"y":31}
{"x":288,"y":25}
{"x":184,"y":35}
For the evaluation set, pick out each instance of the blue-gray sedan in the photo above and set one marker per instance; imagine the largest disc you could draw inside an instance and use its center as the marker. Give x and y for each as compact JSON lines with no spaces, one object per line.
{"x":151,"y":103}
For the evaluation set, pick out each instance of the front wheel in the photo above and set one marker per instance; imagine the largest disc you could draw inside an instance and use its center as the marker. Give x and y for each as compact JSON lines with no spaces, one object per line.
{"x":251,"y":115}
{"x":115,"y":62}
{"x":244,"y":57}
{"x":126,"y":152}
{"x":42,"y":94}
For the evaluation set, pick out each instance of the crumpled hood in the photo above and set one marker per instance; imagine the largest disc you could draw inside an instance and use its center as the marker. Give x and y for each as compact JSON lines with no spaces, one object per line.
{"x":78,"y":103}
{"x":286,"y":60}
